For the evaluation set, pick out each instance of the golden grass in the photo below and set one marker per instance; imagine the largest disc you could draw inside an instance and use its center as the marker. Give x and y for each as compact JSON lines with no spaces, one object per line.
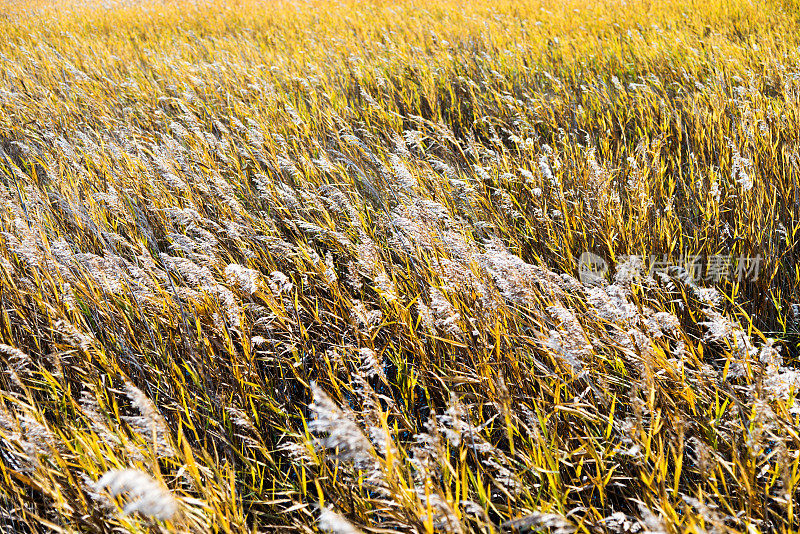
{"x":289,"y":266}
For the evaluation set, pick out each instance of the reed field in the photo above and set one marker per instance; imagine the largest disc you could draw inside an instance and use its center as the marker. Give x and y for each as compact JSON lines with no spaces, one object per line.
{"x":424,"y":267}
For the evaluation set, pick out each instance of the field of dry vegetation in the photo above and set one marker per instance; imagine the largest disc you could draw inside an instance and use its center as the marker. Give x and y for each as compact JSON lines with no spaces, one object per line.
{"x":314,"y":266}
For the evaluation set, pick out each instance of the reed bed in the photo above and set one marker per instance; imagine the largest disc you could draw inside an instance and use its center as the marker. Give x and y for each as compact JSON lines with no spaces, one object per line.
{"x":317,"y":266}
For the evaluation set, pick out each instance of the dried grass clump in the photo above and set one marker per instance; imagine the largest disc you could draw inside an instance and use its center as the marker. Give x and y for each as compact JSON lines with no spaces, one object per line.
{"x":146,"y":496}
{"x":315,"y":266}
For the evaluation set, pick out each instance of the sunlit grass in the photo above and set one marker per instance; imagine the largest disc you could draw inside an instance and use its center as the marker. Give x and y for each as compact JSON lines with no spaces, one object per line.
{"x":286,"y":266}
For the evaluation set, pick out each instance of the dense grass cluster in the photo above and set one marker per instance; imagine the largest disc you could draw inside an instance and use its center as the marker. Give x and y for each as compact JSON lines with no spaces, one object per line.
{"x":315,"y":266}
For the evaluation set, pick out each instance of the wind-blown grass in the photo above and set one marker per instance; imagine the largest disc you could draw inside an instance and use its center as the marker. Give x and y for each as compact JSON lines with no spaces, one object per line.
{"x":314,"y":266}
